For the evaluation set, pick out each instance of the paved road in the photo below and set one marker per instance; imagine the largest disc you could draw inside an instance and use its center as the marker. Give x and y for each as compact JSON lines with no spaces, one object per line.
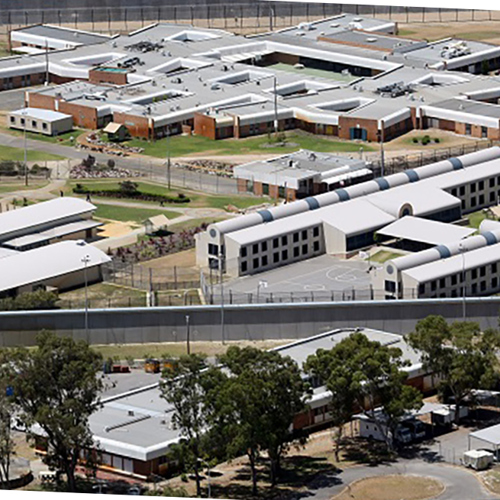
{"x":460,"y":483}
{"x":153,"y":167}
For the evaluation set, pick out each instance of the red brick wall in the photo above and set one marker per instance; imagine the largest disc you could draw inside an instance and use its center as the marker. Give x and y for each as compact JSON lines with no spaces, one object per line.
{"x":204,"y":125}
{"x":346,"y":123}
{"x":100,"y":76}
{"x":242,"y":185}
{"x":138,"y":126}
{"x":40,"y":101}
{"x":83,"y":116}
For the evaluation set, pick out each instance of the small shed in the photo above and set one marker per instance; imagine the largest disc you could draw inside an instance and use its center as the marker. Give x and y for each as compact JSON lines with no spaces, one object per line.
{"x":156,"y":223}
{"x":41,"y":121}
{"x":116,"y":131}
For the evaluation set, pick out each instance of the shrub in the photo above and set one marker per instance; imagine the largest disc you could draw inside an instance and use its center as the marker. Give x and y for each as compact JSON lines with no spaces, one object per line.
{"x":415,"y":140}
{"x":437,"y":140}
{"x":31,"y":301}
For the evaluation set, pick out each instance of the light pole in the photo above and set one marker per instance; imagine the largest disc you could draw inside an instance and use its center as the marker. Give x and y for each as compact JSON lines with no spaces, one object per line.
{"x":221,"y":268}
{"x":462,"y":251}
{"x":188,"y":335}
{"x":276,"y":124}
{"x":262,"y":284}
{"x":168,"y":156}
{"x":86,"y":260}
{"x":382,"y":154}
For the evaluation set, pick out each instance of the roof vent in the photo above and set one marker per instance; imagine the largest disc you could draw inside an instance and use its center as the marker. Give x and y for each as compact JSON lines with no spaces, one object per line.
{"x":371,"y":39}
{"x":130,"y":413}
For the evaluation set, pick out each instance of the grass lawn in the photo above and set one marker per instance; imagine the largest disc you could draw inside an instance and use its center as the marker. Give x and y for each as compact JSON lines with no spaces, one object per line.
{"x":130,"y":214}
{"x":62,"y":139}
{"x":188,"y":145}
{"x":176,"y":349}
{"x":4,"y":50}
{"x":476,"y":218}
{"x":17,"y":154}
{"x":192,"y":223}
{"x":383,"y":256}
{"x":10,"y":188}
{"x":392,"y":488}
{"x":197,"y":200}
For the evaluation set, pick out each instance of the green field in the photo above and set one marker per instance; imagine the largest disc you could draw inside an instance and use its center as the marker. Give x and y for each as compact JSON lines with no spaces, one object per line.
{"x":476,"y":218}
{"x":130,"y":214}
{"x":187,"y":145}
{"x":17,"y":154}
{"x":383,"y":256}
{"x":197,"y":200}
{"x":10,"y":188}
{"x":62,"y":139}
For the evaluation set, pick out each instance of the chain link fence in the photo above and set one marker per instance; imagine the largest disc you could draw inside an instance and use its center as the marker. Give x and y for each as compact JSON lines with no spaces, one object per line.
{"x":238,"y":17}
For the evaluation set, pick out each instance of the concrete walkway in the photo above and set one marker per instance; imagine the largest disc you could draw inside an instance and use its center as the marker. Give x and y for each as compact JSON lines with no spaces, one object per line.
{"x":460,"y":483}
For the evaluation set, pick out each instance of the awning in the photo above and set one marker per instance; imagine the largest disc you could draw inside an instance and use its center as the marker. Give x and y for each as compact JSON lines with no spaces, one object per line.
{"x":112,"y":127}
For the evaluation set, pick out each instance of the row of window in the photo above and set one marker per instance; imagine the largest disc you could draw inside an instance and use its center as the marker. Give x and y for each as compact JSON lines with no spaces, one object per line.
{"x":34,"y":123}
{"x":277,"y":242}
{"x":475,"y":288}
{"x":278,"y":257}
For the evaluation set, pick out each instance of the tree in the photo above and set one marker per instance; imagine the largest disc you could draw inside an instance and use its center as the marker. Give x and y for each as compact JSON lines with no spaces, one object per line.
{"x":56,"y":387}
{"x":182,"y":387}
{"x":365,"y":374}
{"x":460,"y":355}
{"x":6,"y":442}
{"x":129,"y":187}
{"x":255,"y":403}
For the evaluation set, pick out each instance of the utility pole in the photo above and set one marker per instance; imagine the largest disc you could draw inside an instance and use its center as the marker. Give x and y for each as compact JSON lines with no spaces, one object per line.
{"x":276,"y":124}
{"x":46,"y":62}
{"x":25,"y":113}
{"x":168,"y":156}
{"x":382,"y":155}
{"x":86,"y":260}
{"x":462,"y":251}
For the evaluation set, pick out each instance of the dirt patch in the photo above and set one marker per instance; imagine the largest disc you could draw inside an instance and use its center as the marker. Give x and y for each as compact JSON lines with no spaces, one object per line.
{"x":114,"y":229}
{"x":446,"y":140}
{"x":479,"y":31}
{"x":392,"y":488}
{"x":186,"y":258}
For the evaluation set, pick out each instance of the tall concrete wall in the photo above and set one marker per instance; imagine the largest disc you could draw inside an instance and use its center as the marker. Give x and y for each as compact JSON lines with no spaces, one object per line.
{"x":250,"y":322}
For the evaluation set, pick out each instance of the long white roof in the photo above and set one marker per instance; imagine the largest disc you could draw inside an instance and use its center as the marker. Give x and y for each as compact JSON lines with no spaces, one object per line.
{"x":42,"y":213}
{"x":41,"y":264}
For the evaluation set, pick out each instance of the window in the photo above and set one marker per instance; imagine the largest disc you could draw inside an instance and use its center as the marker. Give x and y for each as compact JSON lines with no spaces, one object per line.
{"x":492,"y":197}
{"x":213,"y":249}
{"x":304,"y":234}
{"x":494,"y":268}
{"x":33,"y":123}
{"x":284,"y":254}
{"x":494,"y":282}
{"x":421,"y":288}
{"x":468,"y":129}
{"x":442,"y":283}
{"x":433,"y":286}
{"x":481,"y":185}
{"x":474,"y":274}
{"x":454,"y":279}
{"x":281,"y":192}
{"x":276,"y":257}
{"x":265,"y":188}
{"x":462,"y":190}
{"x":473,"y":201}
{"x":12,"y":119}
{"x":481,"y":199}
{"x":243,"y":251}
{"x":492,"y":182}
{"x":263,"y":246}
{"x":276,"y":243}
{"x":296,"y":251}
{"x":256,"y":263}
{"x":22,"y":121}
{"x":264,"y":260}
{"x":255,"y":248}
{"x":453,"y":293}
{"x":473,"y":187}
{"x":295,"y":237}
{"x":250,"y":186}
{"x":390,"y":286}
{"x":284,"y":240}
{"x":316,"y":231}
{"x":482,"y":271}
{"x":244,"y":266}
{"x":316,"y":246}
{"x":474,"y":288}
{"x":454,"y":191}
{"x":304,"y":249}
{"x":484,"y":132}
{"x":483,"y":286}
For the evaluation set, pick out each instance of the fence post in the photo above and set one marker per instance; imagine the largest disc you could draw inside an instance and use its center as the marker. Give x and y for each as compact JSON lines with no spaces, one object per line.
{"x":175,"y":276}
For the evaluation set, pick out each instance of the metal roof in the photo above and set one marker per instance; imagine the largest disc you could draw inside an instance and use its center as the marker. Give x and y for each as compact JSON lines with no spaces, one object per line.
{"x":45,"y":263}
{"x":40,"y":114}
{"x":489,"y":435}
{"x":27,"y":219}
{"x":71,"y":35}
{"x":425,"y":231}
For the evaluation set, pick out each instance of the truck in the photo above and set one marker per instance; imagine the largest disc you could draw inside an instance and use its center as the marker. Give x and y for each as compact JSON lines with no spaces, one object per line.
{"x":416,"y":428}
{"x":370,"y":430}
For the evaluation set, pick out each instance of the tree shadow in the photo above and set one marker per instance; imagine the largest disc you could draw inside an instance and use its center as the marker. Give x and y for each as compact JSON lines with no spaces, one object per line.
{"x":372,"y":453}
